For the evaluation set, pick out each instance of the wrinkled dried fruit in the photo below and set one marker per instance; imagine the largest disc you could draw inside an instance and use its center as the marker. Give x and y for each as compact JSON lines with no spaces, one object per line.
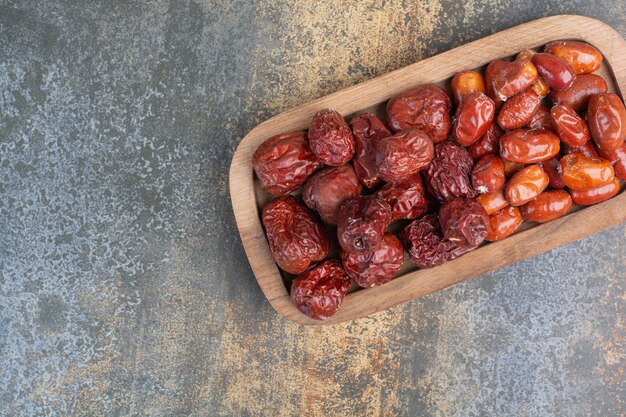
{"x":570,"y":127}
{"x":367,"y":129}
{"x":503,"y":224}
{"x":426,"y":107}
{"x":548,"y":206}
{"x":362,"y":222}
{"x":488,"y":175}
{"x":473,"y":118}
{"x":448,"y":175}
{"x":403,"y":154}
{"x":487,"y":144}
{"x":525,"y":185}
{"x":374,"y":268}
{"x":579,"y":172}
{"x":318,"y":292}
{"x":296,"y":238}
{"x":541,"y":119}
{"x":284,"y":162}
{"x":583,"y":57}
{"x":607,"y":121}
{"x":425,"y":244}
{"x":513,"y":78}
{"x":518,"y":110}
{"x":596,"y":195}
{"x":407,"y":198}
{"x":552,"y":167}
{"x":330,"y":138}
{"x":558,"y":74}
{"x":494,"y":202}
{"x":529,"y":146}
{"x":577,"y":96}
{"x":328,"y":188}
{"x":617,"y":157}
{"x":587,"y":149}
{"x":464,"y":221}
{"x":466,"y":82}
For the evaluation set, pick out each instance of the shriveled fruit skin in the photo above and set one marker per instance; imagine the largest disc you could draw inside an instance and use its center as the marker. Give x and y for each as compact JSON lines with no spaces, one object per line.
{"x":488,"y":175}
{"x":407,"y":199}
{"x":424,"y":242}
{"x":377,"y":267}
{"x":464,"y":221}
{"x":448,"y":175}
{"x":403,"y":154}
{"x":367,"y":129}
{"x":330,"y":138}
{"x":518,"y":111}
{"x":487,"y":144}
{"x":473,"y":118}
{"x":362,"y":222}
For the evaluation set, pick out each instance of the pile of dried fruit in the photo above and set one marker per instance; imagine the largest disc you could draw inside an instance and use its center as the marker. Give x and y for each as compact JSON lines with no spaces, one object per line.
{"x":510,"y":159}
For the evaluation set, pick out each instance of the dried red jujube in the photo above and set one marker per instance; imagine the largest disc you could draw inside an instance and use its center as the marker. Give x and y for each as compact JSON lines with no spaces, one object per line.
{"x":362,"y":222}
{"x":374,"y":268}
{"x":448,"y":175}
{"x":407,"y":198}
{"x":296,"y":238}
{"x":473,"y":118}
{"x":464,"y":221}
{"x":284,"y":162}
{"x":403,"y":154}
{"x":424,"y":242}
{"x":367,"y":129}
{"x":328,"y":188}
{"x":318,"y":292}
{"x":330,"y":138}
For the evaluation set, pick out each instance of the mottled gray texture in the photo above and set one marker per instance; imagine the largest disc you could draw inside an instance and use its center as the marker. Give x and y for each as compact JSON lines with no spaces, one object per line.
{"x":124,"y":288}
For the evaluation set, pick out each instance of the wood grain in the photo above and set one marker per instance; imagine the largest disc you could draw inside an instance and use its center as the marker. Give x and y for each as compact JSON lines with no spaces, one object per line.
{"x":247,"y":197}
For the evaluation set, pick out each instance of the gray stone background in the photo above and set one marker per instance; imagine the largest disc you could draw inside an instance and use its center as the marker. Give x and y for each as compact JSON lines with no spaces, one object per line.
{"x":124,"y":288}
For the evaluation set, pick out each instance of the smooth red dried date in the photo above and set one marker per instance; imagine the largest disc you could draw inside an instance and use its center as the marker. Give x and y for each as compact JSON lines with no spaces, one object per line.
{"x":464,"y":222}
{"x":578,"y":95}
{"x":493,"y":202}
{"x":511,"y":168}
{"x":606,"y":116}
{"x":529,"y":146}
{"x":296,"y":238}
{"x":318,"y":292}
{"x":549,"y":205}
{"x":407,"y":199}
{"x":587,"y":149}
{"x":426,"y":107}
{"x":518,"y":110}
{"x":284,"y":162}
{"x":403,"y":154}
{"x":570,"y":127}
{"x":377,"y":267}
{"x":466,"y":82}
{"x":492,"y":69}
{"x":513,"y":78}
{"x":362,"y":222}
{"x":367,"y":129}
{"x":473,"y":118}
{"x":330,"y":138}
{"x":487,"y":144}
{"x":525,"y":185}
{"x":504,"y":223}
{"x":596,"y":195}
{"x":583,"y":57}
{"x":558,"y":74}
{"x":488,"y":175}
{"x":328,"y":188}
{"x":579,"y":172}
{"x":424,"y":242}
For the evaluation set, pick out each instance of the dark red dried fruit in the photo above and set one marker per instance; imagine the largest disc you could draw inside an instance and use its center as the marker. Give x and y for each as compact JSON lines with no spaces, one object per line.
{"x":407,"y":198}
{"x":330,"y":138}
{"x":284,"y":162}
{"x":513,"y":77}
{"x":296,"y":238}
{"x":578,"y":95}
{"x":328,"y":188}
{"x":448,"y":175}
{"x":587,"y":149}
{"x":487,"y":144}
{"x":473,"y":118}
{"x":374,"y":268}
{"x":424,"y":242}
{"x":362,"y":222}
{"x":552,"y":167}
{"x":541,"y":119}
{"x":318,"y":292}
{"x":426,"y":107}
{"x":488,"y":175}
{"x":367,"y":129}
{"x":464,"y":221}
{"x":616,"y":157}
{"x":403,"y":154}
{"x":606,"y":116}
{"x":518,"y":110}
{"x":558,"y":74}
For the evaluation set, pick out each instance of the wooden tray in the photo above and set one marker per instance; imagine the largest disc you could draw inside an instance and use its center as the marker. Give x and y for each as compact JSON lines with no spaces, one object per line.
{"x":248,"y":198}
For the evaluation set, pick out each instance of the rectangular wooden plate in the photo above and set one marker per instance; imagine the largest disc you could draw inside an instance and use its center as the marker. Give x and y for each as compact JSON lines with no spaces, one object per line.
{"x":248,"y":198}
